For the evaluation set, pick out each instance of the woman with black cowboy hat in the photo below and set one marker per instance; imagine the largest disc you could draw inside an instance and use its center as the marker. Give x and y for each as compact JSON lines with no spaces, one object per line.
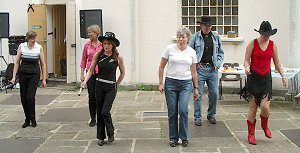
{"x":259,"y":53}
{"x":108,"y":59}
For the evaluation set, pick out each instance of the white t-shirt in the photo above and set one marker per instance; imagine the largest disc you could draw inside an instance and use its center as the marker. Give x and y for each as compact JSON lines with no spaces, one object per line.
{"x":179,"y":62}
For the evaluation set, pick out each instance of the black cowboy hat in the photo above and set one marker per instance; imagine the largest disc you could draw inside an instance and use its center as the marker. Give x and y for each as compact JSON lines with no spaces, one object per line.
{"x":110,"y":36}
{"x":266,"y":29}
{"x":205,"y":20}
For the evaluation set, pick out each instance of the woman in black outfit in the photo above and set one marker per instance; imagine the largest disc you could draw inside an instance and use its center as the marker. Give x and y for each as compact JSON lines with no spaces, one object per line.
{"x":29,"y":55}
{"x":108,"y":59}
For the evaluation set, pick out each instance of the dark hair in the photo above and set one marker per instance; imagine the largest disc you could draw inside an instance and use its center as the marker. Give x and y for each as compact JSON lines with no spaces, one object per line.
{"x":115,"y":52}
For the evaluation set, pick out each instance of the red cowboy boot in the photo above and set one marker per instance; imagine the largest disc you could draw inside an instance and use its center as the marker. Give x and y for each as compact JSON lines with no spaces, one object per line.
{"x":251,"y":130}
{"x":264,"y":126}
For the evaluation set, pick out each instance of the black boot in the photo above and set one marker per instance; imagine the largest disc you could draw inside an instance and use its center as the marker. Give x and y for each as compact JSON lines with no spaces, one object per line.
{"x":101,"y":142}
{"x":109,"y":128}
{"x":27,"y":123}
{"x":33,"y":123}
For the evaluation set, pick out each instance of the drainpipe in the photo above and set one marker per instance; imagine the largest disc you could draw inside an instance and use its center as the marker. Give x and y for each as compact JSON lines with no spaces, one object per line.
{"x":135,"y":42}
{"x":294,"y":34}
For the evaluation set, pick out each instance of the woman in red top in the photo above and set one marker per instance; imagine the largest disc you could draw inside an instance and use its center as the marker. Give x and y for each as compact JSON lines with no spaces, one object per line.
{"x":90,"y":48}
{"x":259,"y":53}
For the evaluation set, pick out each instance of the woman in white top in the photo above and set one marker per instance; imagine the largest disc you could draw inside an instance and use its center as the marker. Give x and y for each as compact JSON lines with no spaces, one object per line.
{"x":181,"y":76}
{"x":29,"y":55}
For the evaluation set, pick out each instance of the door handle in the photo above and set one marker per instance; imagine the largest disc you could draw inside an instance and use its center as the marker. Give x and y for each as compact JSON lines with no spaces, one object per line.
{"x":73,"y":45}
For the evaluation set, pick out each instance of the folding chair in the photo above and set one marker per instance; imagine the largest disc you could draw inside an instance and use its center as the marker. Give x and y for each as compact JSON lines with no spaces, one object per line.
{"x":8,"y":74}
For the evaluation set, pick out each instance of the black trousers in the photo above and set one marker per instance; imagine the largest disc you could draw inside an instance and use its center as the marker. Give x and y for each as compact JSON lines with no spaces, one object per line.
{"x":92,"y":96}
{"x":105,"y":96}
{"x":28,"y":86}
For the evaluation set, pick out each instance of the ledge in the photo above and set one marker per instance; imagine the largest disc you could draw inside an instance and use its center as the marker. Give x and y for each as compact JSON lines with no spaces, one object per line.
{"x":237,"y":40}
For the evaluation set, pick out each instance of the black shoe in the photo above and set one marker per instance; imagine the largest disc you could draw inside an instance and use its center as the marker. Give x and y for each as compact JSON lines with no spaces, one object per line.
{"x":27,"y":123}
{"x":111,"y":138}
{"x":101,"y":142}
{"x":212,"y":120}
{"x":198,"y":122}
{"x":173,"y":143}
{"x":92,"y":123}
{"x":33,"y":123}
{"x":185,"y":143}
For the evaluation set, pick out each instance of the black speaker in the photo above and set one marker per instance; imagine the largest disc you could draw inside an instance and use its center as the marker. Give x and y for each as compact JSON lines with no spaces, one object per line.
{"x":13,"y":43}
{"x":4,"y":25}
{"x":90,"y":17}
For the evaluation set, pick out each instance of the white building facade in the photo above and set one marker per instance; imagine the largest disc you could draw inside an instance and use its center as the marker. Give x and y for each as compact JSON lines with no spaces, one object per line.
{"x":146,"y":27}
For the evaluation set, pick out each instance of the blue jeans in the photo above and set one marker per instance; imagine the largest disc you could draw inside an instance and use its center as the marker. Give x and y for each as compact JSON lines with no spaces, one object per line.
{"x":209,"y":75}
{"x":178,"y":94}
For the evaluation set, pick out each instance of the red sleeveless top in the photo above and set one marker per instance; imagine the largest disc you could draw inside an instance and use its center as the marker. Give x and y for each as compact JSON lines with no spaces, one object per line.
{"x":261,"y":59}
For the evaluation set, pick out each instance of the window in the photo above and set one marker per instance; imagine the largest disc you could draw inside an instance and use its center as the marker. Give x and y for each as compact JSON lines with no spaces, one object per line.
{"x":223,"y":12}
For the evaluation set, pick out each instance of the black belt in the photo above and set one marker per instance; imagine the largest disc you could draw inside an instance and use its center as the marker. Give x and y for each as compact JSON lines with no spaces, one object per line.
{"x":205,"y":64}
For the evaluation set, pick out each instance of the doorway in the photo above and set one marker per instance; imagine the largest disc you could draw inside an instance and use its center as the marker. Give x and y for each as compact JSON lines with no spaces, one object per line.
{"x":59,"y":40}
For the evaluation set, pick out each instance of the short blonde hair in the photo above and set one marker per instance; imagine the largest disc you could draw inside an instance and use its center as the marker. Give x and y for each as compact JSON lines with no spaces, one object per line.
{"x":30,"y":34}
{"x":184,"y":31}
{"x":94,"y":28}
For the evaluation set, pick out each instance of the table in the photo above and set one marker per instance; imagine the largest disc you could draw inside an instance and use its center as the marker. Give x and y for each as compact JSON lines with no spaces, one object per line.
{"x":292,"y":74}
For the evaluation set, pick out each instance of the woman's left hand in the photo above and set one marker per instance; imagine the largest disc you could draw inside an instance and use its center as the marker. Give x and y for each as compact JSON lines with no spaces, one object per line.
{"x":196,"y":94}
{"x":44,"y":83}
{"x":284,"y":81}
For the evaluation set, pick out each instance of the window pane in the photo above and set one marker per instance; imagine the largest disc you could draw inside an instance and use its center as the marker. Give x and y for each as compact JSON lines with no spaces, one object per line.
{"x":191,"y":2}
{"x":226,"y":29}
{"x":213,"y":3}
{"x":184,"y":21}
{"x":198,"y":19}
{"x":220,"y":2}
{"x":235,"y":28}
{"x":191,"y":21}
{"x":192,"y":11}
{"x":214,"y":20}
{"x":213,"y":11}
{"x":234,"y":10}
{"x":234,"y":2}
{"x":198,"y":11}
{"x":227,"y":2}
{"x":199,"y":2}
{"x":184,"y":11}
{"x":234,"y":20}
{"x":227,"y":10}
{"x":213,"y":28}
{"x":205,"y":2}
{"x":205,"y":11}
{"x":227,"y":20}
{"x":184,"y":2}
{"x":192,"y":28}
{"x":220,"y":20}
{"x":220,"y":10}
{"x":220,"y":30}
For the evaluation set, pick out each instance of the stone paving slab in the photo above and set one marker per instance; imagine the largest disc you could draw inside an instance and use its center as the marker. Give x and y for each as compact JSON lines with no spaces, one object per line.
{"x":65,"y":115}
{"x":206,"y":130}
{"x":118,"y":146}
{"x":40,"y":100}
{"x":293,"y":135}
{"x":20,"y":145}
{"x":154,"y":146}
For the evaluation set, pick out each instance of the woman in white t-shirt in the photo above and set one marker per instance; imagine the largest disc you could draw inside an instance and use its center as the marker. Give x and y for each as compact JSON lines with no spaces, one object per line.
{"x":181,"y":76}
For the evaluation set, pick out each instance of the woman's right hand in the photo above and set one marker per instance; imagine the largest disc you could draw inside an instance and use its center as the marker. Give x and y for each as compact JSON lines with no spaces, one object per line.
{"x":161,"y":88}
{"x":82,"y":78}
{"x":83,"y":84}
{"x":13,"y":80}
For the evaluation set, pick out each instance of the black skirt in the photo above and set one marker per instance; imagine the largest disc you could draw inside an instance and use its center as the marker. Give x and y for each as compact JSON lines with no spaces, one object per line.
{"x":257,"y":86}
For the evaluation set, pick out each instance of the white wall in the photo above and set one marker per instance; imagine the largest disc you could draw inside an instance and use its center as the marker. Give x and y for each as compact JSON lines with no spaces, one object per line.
{"x":145,"y":28}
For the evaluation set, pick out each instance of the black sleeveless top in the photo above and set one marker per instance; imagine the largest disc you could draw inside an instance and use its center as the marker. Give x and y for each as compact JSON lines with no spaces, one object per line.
{"x":107,"y":67}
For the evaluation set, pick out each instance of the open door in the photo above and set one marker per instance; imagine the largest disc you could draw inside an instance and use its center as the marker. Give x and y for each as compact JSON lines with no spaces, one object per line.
{"x":37,"y":23}
{"x":58,"y":39}
{"x":71,"y":41}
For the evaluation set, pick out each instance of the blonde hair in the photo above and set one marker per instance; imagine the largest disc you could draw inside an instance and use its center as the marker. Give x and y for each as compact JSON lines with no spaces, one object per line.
{"x":30,"y":34}
{"x":94,"y":28}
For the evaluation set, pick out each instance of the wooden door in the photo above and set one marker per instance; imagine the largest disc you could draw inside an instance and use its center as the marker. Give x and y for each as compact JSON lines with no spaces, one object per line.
{"x":37,"y":23}
{"x":71,"y":42}
{"x":59,"y":39}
